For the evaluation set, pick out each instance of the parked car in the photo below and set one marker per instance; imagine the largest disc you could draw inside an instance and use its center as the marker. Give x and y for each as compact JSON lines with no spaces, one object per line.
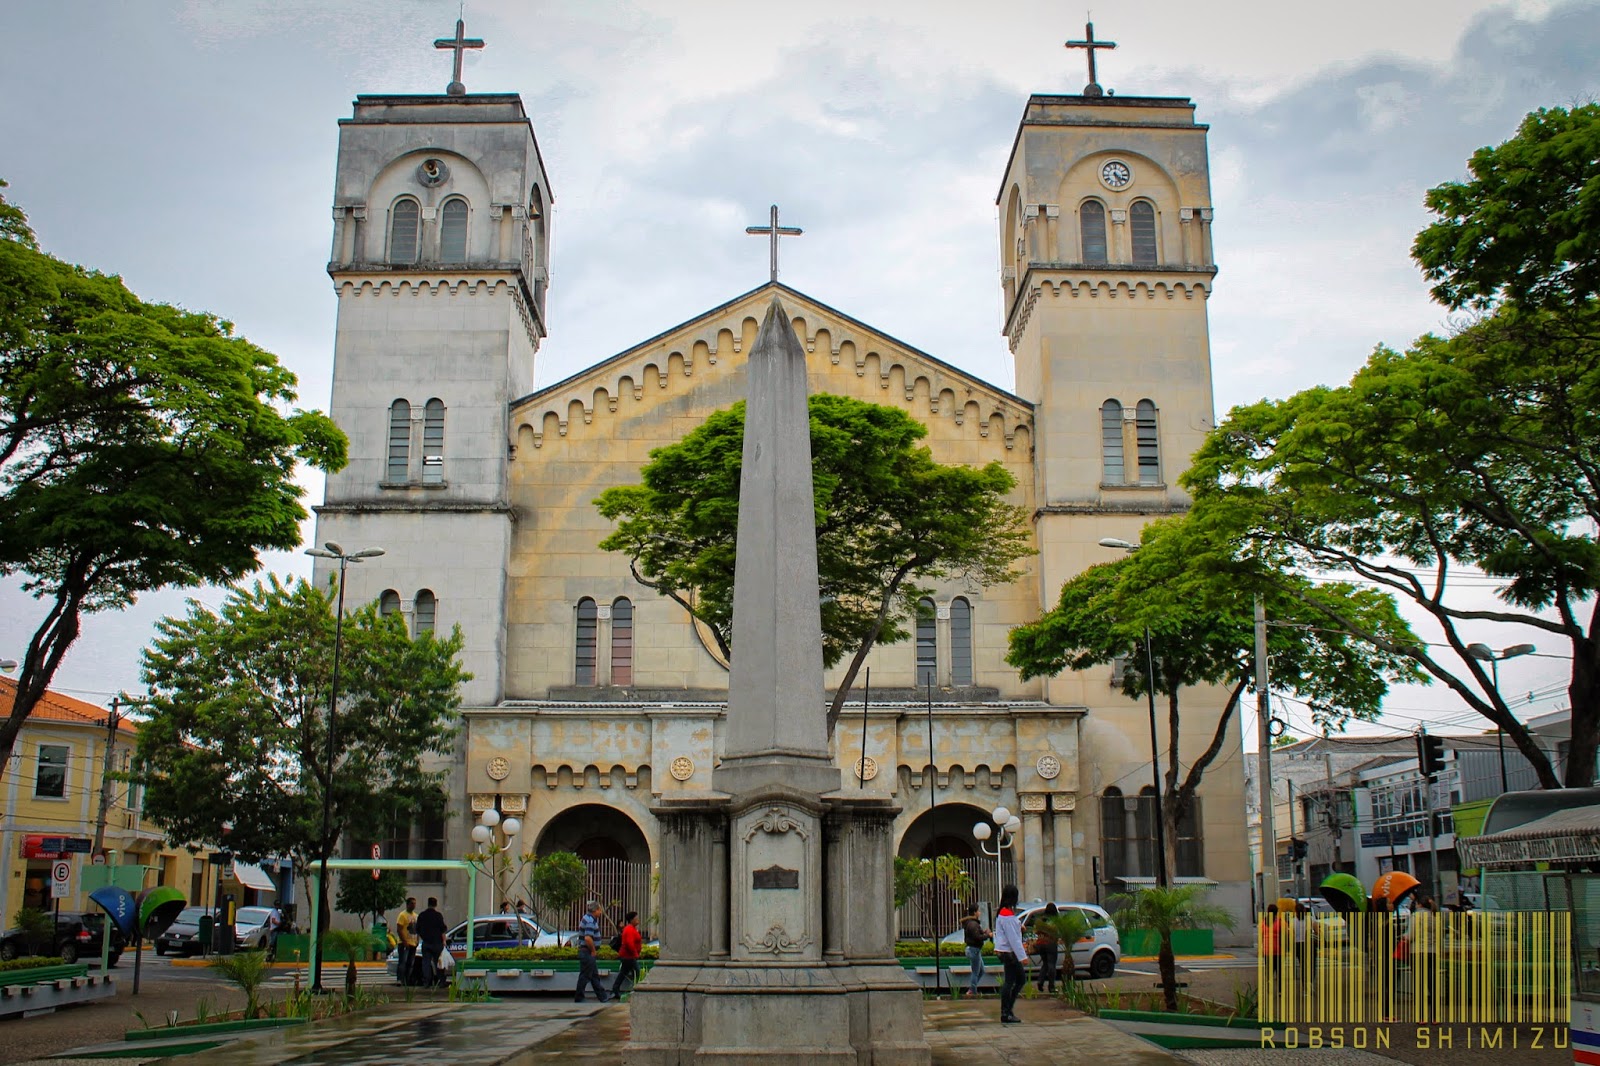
{"x":490,"y":931}
{"x":78,"y":936}
{"x":250,"y":928}
{"x":1096,"y":954}
{"x":182,"y":937}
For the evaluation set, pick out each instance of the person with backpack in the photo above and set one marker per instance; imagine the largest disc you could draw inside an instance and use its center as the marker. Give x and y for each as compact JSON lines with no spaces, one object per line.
{"x":973,"y":932}
{"x":628,"y":944}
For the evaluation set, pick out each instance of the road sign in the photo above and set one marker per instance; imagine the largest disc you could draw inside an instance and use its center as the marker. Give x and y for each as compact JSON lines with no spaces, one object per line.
{"x":78,"y":845}
{"x":60,"y":879}
{"x":99,"y":858}
{"x":1383,"y":838}
{"x":377,"y":853}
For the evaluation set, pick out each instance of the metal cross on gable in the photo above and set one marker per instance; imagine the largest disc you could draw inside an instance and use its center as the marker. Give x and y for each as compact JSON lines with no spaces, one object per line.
{"x":774,"y":231}
{"x":458,"y":44}
{"x":1089,"y":45}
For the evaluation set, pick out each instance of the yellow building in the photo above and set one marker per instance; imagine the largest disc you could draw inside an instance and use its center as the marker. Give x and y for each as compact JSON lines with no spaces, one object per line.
{"x":53,"y":811}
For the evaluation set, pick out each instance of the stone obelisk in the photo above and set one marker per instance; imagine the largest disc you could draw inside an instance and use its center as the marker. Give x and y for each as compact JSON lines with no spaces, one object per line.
{"x":777,"y":938}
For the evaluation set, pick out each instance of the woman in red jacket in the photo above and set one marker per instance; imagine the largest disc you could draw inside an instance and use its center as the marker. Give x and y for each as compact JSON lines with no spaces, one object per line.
{"x":628,"y":952}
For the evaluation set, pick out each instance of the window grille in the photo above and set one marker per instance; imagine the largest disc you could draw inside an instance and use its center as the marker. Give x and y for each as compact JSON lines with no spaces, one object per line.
{"x":399,"y":442}
{"x":927,"y":643}
{"x":404,"y":220}
{"x":588,"y":631}
{"x":1142,"y":222}
{"x":433,"y":442}
{"x":453,"y":232}
{"x":1111,"y":443}
{"x":622,"y":642}
{"x":1092,"y":226}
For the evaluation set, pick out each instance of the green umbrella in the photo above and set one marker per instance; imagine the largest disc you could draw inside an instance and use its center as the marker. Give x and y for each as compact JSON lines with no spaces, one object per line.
{"x":1344,"y":892}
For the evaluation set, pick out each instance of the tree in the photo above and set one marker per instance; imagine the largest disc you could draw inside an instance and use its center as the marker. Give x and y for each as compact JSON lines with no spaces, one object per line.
{"x":1185,"y":588}
{"x":237,"y":737}
{"x":1162,"y":910}
{"x":888,"y":519}
{"x":1526,"y":228}
{"x":924,"y":880}
{"x":355,"y":945}
{"x":556,"y":884}
{"x":141,"y":446}
{"x":361,"y":894}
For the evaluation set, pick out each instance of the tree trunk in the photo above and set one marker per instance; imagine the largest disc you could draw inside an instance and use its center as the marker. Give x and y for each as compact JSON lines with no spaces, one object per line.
{"x":836,"y":708}
{"x":1585,"y":721}
{"x":1168,"y":963}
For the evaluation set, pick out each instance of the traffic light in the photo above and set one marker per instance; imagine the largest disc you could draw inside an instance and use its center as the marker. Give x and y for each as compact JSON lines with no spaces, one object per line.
{"x":1298,"y":849}
{"x":1430,"y":753}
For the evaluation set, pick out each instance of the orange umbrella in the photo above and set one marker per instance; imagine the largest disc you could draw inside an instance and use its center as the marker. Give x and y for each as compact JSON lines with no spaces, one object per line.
{"x":1394,"y":887}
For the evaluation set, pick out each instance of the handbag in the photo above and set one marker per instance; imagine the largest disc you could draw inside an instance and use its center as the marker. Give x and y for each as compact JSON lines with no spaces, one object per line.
{"x":616,"y":943}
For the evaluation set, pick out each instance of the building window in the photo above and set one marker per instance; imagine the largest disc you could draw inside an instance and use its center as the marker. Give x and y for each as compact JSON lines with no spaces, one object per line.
{"x":588,"y":627}
{"x":1190,"y":843}
{"x":404,"y":219}
{"x":1149,"y":449}
{"x":1142,"y":221}
{"x":622,"y":642}
{"x":960,"y":642}
{"x":399,"y":441}
{"x":1113,"y":834}
{"x":927,"y":642}
{"x":1111,"y":443}
{"x":433,"y":442}
{"x":453,"y":232}
{"x":388,"y":603}
{"x":1144,"y":829}
{"x":1092,"y":228}
{"x":51,"y":779}
{"x":427,"y":606}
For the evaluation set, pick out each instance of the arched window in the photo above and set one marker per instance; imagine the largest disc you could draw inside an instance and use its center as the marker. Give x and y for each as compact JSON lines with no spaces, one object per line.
{"x":927,"y":642}
{"x":588,"y":628}
{"x":622,"y":642}
{"x":389,"y":602}
{"x":1092,"y":229}
{"x":1149,"y":448}
{"x":1142,"y":221}
{"x":427,"y":606}
{"x":453,"y":231}
{"x":404,"y":219}
{"x":1111,"y":443}
{"x":399,"y":441}
{"x":433,"y":442}
{"x":1114,"y":833}
{"x":1144,"y":822}
{"x":960,"y":641}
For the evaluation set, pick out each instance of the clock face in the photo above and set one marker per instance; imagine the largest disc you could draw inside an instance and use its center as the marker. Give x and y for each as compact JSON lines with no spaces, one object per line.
{"x":1116,"y":174}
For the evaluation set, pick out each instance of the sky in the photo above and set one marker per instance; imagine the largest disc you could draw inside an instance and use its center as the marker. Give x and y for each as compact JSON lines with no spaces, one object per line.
{"x":189,"y":147}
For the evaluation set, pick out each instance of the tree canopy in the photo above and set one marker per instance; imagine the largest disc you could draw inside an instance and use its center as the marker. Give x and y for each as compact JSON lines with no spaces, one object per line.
{"x":141,"y":446}
{"x":236,"y":749}
{"x":889,"y":519}
{"x":1197,"y":602}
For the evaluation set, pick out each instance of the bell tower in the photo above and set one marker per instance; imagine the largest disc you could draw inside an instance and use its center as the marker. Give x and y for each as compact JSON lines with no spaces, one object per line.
{"x":1106,"y":265}
{"x":441,"y":213}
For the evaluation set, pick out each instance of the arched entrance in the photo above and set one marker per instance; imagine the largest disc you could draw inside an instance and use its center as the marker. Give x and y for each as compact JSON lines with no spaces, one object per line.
{"x":615,"y":852}
{"x":947,"y":830}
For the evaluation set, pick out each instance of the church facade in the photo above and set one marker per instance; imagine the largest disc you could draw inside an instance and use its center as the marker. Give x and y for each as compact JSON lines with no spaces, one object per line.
{"x":592,"y":697}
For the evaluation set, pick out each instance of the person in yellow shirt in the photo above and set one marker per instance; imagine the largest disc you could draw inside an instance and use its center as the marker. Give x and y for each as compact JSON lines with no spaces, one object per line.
{"x":406,"y":928}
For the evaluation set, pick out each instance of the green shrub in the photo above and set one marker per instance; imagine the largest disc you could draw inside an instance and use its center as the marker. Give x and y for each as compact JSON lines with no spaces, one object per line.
{"x":923,"y":949}
{"x":31,"y":962}
{"x":247,"y":969}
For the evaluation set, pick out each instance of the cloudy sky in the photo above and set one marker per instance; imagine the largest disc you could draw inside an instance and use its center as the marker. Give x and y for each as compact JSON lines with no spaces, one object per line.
{"x":189,"y":147}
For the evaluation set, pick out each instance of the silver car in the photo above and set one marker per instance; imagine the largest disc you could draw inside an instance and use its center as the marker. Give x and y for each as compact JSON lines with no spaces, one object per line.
{"x":1097,"y":954}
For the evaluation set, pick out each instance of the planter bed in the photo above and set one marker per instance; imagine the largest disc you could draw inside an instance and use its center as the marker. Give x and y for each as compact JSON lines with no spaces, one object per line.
{"x":41,"y":989}
{"x":537,"y":975}
{"x":186,"y":1031}
{"x":956,"y":970}
{"x":1171,"y":1030}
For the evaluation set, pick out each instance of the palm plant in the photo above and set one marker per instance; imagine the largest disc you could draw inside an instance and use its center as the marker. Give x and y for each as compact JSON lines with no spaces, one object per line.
{"x":1068,"y":927}
{"x":353,"y":944}
{"x":247,"y":969}
{"x":1161,"y":910}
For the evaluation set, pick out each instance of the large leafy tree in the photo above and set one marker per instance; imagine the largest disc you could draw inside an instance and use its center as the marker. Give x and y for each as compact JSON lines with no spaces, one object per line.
{"x":236,"y":751}
{"x":1184,"y":588}
{"x":141,"y":446}
{"x":1464,"y":456}
{"x":889,"y":519}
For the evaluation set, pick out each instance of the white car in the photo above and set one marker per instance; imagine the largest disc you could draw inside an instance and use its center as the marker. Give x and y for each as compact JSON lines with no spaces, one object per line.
{"x":1097,"y":954}
{"x":490,"y":931}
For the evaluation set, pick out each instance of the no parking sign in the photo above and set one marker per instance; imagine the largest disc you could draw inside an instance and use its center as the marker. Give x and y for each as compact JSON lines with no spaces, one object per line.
{"x":61,"y":879}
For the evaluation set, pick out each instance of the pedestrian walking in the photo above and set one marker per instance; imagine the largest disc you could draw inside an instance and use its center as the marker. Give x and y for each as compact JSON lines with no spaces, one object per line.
{"x":274,"y":926}
{"x":405,"y":928}
{"x":1048,"y":945}
{"x":1013,"y":954}
{"x":628,"y":954}
{"x":588,"y":942}
{"x":973,"y":932}
{"x":430,"y":932}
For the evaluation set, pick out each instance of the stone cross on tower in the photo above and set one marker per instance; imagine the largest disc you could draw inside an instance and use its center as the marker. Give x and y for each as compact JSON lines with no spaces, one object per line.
{"x":775,"y":231}
{"x":458,"y":44}
{"x":1089,"y":45}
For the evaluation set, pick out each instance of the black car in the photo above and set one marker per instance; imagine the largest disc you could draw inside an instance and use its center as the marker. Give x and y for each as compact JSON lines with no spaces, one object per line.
{"x":77,"y":937}
{"x":182,"y":937}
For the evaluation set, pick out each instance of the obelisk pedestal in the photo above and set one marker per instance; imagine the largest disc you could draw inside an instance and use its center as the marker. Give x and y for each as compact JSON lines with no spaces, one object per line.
{"x":777,"y":926}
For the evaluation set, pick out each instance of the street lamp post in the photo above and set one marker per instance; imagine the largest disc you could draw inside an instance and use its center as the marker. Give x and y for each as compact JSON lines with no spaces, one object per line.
{"x":484,"y":835}
{"x":1493,"y":658}
{"x":1155,"y":748}
{"x":1005,"y":835}
{"x":330,"y":550}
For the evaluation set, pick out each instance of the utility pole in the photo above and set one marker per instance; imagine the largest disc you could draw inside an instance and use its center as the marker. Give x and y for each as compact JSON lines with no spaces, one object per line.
{"x":105,"y":775}
{"x":1269,"y":835}
{"x":1294,"y":859}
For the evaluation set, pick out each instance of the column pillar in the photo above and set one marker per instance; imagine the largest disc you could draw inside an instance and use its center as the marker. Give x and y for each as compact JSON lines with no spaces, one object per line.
{"x":942,"y":659}
{"x":1033,"y":849}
